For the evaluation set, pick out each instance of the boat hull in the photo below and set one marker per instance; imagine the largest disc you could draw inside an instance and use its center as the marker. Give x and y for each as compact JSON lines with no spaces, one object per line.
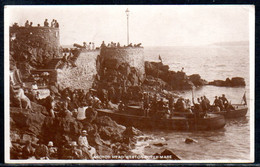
{"x":240,"y":111}
{"x":212,"y":122}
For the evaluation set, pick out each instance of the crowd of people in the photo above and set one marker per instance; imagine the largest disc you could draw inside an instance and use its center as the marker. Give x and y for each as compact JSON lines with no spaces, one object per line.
{"x":117,"y":45}
{"x":168,"y":106}
{"x":27,"y":24}
{"x":54,"y":23}
{"x":79,"y":149}
{"x":62,"y":103}
{"x":89,"y":46}
{"x":76,"y":103}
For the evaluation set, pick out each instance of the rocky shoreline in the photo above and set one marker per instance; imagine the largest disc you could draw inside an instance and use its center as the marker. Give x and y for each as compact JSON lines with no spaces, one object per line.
{"x":108,"y":137}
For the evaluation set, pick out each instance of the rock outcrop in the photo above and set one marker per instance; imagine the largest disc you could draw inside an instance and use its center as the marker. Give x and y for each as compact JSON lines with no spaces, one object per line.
{"x":33,"y":47}
{"x":233,"y":82}
{"x":108,"y":137}
{"x":156,"y":72}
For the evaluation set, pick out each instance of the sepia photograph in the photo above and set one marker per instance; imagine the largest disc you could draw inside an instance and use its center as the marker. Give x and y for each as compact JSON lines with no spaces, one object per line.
{"x":129,"y":83}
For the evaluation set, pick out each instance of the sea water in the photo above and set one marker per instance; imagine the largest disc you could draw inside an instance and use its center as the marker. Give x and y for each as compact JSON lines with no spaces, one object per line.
{"x":211,"y":62}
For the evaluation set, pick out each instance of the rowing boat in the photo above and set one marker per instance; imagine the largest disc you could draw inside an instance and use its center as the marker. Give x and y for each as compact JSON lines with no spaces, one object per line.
{"x":209,"y":122}
{"x":239,"y":110}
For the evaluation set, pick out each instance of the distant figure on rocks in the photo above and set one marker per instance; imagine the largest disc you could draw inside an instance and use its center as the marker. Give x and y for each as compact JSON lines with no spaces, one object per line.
{"x":23,"y":98}
{"x":56,"y":24}
{"x":53,"y":23}
{"x":182,"y":69}
{"x":31,"y":23}
{"x":89,"y":46}
{"x":26,"y":24}
{"x":84,"y":45}
{"x":46,"y":24}
{"x":103,"y":44}
{"x":160,"y":58}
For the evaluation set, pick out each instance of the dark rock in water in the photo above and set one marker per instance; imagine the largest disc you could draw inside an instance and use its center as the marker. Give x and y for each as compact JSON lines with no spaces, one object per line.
{"x":189,"y":140}
{"x":238,"y":81}
{"x":233,"y":82}
{"x":196,"y":80}
{"x":159,"y":144}
{"x":218,"y":83}
{"x":166,"y":155}
{"x":173,"y":80}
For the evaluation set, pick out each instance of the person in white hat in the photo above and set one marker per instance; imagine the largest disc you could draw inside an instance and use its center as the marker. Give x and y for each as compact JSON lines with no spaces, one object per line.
{"x":52,"y":151}
{"x":85,"y":147}
{"x":75,"y":152}
{"x":83,"y":141}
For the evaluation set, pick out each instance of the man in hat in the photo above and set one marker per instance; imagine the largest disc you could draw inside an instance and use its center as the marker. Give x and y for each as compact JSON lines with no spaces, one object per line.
{"x":75,"y":152}
{"x":224,"y":100}
{"x":85,"y":147}
{"x":52,"y":151}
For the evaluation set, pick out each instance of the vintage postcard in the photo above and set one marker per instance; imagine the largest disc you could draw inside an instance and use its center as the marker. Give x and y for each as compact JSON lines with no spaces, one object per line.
{"x":129,"y":84}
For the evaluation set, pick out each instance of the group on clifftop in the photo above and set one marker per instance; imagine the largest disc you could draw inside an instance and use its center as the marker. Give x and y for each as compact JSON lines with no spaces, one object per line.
{"x":54,"y":24}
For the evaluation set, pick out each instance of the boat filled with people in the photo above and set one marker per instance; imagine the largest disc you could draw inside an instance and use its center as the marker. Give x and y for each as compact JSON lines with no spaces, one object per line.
{"x":181,"y":122}
{"x":228,"y":110}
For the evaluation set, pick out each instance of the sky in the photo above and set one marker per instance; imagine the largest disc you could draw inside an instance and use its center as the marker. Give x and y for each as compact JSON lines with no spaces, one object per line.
{"x":151,"y":25}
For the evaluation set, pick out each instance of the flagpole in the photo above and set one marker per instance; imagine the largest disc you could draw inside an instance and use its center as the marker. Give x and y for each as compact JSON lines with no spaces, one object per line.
{"x":244,"y":98}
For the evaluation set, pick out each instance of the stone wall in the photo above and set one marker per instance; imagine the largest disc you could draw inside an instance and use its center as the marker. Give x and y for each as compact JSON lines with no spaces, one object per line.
{"x":133,"y":56}
{"x":33,"y":47}
{"x":43,"y":35}
{"x":81,"y":76}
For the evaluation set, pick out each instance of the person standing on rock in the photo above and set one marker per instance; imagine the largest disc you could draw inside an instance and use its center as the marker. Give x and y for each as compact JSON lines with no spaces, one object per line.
{"x":56,"y":24}
{"x":85,"y":147}
{"x":26,"y":24}
{"x":24,"y":98}
{"x":46,"y":24}
{"x":53,"y":23}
